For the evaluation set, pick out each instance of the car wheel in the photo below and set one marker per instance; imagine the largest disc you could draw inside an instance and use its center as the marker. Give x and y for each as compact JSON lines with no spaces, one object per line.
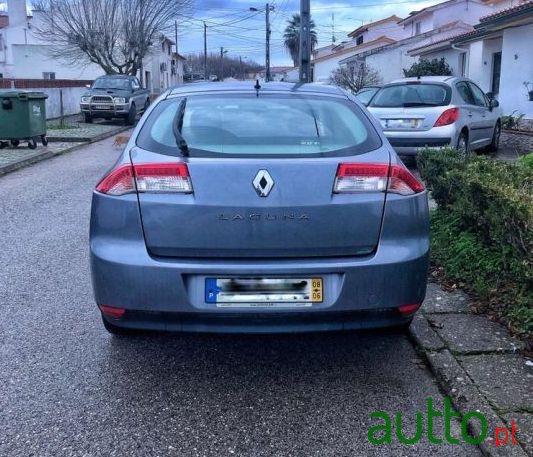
{"x":15,"y":143}
{"x":116,"y":330}
{"x":495,"y":144}
{"x":32,"y":143}
{"x":130,"y":120}
{"x":88,"y":119}
{"x":44,"y":140}
{"x":462,"y":145}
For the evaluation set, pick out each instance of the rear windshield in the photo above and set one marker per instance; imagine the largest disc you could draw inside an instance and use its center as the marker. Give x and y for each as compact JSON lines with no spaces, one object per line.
{"x":271,"y":125}
{"x":412,"y":95}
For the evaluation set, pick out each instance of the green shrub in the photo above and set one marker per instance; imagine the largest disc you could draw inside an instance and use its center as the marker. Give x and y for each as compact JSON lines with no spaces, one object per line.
{"x":426,"y":67}
{"x":482,"y":230}
{"x":512,"y":121}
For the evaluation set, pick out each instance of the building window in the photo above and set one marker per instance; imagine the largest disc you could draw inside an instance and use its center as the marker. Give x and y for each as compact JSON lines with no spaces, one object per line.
{"x":49,"y":75}
{"x":418,"y":28}
{"x":359,"y":40}
{"x":462,"y":64}
{"x":1,"y":76}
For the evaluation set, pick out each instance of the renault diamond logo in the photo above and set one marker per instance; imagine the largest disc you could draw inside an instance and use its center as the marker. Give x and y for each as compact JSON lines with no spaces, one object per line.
{"x":263,"y":183}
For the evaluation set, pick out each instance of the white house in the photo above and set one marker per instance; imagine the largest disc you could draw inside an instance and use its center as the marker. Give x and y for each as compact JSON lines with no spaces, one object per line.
{"x":367,"y":37}
{"x":429,"y":27}
{"x":24,"y":55}
{"x":497,"y":54}
{"x":163,"y":67}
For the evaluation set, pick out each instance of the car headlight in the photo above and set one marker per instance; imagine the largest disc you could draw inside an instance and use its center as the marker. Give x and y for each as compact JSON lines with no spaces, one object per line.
{"x":119,"y":100}
{"x":85,"y":99}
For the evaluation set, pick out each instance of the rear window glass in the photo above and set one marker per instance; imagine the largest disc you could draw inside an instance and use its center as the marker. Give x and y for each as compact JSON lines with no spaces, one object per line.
{"x":412,"y":95}
{"x":276,"y":125}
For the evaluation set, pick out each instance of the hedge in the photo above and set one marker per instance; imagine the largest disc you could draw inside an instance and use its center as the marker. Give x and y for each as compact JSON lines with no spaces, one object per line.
{"x":482,"y":229}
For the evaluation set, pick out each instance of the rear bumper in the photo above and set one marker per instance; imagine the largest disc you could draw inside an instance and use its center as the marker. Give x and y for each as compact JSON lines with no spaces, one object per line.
{"x":410,"y":143}
{"x":166,"y":294}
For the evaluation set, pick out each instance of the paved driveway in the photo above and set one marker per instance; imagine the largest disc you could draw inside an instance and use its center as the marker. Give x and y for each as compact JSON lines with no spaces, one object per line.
{"x":68,"y":388}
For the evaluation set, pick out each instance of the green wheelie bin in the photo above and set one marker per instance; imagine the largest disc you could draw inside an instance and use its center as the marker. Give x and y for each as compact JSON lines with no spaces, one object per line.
{"x":22,"y":118}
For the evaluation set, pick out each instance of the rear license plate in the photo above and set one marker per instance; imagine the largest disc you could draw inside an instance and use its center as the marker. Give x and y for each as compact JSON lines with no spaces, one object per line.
{"x":263,"y":292}
{"x":401,"y":123}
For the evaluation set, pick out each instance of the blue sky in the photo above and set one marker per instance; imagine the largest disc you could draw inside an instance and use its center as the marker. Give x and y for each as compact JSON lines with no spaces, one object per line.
{"x":241,"y":32}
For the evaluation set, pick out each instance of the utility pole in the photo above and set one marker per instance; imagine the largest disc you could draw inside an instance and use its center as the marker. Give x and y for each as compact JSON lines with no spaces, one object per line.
{"x":176,"y":34}
{"x":268,"y":9}
{"x":205,"y":51}
{"x":241,"y":70}
{"x":268,"y":32}
{"x":222,"y":52}
{"x":305,"y":41}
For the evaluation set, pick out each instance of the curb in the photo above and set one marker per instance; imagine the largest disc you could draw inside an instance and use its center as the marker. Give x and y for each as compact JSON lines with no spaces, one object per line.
{"x":455,"y":382}
{"x":41,"y":156}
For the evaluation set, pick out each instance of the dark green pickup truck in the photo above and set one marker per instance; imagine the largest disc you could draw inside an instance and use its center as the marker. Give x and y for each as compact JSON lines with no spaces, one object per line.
{"x":115,"y":96}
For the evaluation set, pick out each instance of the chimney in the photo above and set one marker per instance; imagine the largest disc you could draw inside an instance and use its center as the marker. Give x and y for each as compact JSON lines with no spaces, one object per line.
{"x":16,"y":10}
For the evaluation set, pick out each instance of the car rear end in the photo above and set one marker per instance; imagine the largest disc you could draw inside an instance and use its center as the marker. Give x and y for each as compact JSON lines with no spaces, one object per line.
{"x":416,"y":114}
{"x":286,"y":212}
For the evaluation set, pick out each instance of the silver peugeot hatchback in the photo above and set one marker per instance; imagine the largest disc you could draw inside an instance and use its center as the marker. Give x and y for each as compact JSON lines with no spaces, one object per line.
{"x":237,"y":208}
{"x":437,"y":111}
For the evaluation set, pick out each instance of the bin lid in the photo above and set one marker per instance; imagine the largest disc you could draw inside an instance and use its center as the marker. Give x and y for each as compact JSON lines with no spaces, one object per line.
{"x":23,"y":94}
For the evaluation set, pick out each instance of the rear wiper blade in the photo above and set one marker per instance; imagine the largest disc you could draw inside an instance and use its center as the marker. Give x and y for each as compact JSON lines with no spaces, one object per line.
{"x":177,"y":125}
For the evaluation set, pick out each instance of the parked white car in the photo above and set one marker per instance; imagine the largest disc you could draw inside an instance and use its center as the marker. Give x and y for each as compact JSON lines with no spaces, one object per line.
{"x":437,"y":111}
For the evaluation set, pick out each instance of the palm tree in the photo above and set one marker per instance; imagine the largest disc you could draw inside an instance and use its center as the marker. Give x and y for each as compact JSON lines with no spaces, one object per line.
{"x":291,"y":37}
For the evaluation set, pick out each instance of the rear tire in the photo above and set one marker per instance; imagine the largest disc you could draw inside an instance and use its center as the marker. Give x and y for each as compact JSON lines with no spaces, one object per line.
{"x":44,"y":140}
{"x":116,"y":330}
{"x":88,"y":119}
{"x":462,"y":145}
{"x":495,"y":144}
{"x":15,"y":143}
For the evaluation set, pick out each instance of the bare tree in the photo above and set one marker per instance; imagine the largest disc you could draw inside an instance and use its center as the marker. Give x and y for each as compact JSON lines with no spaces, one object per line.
{"x":354,"y":78}
{"x":115,"y":34}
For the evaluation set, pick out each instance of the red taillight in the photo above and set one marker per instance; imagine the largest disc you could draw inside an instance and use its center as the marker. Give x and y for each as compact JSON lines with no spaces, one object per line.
{"x":147,"y":177}
{"x":407,"y":310}
{"x":375,"y":177}
{"x":118,"y":182}
{"x":112,"y":311}
{"x":447,"y":117}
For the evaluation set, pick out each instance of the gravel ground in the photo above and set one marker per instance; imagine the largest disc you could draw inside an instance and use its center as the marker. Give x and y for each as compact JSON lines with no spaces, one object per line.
{"x":69,"y":388}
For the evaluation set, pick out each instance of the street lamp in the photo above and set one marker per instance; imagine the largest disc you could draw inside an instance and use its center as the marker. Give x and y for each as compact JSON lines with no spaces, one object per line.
{"x":267,"y":10}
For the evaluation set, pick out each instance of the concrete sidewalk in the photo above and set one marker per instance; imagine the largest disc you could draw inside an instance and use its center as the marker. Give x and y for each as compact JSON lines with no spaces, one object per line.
{"x":479,"y":366}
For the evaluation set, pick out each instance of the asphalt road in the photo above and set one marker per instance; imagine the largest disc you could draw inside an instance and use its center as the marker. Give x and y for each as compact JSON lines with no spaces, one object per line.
{"x":69,"y":388}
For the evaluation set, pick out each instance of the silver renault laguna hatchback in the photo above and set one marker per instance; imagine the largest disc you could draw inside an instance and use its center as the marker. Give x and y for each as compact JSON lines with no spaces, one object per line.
{"x":240,"y":208}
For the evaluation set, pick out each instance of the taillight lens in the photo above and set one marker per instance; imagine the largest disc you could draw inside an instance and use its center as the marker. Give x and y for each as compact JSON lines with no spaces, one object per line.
{"x":447,"y":117}
{"x":407,"y":310}
{"x":375,"y":177}
{"x":112,"y":311}
{"x":147,"y":177}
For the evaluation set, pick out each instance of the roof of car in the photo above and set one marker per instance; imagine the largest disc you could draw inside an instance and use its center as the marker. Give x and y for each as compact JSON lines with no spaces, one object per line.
{"x":249,"y":86}
{"x":433,"y":79}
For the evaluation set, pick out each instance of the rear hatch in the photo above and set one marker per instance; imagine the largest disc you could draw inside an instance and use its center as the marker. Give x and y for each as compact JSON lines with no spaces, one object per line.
{"x":248,"y":200}
{"x":412,"y":106}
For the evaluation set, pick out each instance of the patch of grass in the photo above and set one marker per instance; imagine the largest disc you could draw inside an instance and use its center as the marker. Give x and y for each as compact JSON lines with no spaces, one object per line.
{"x":482,"y":234}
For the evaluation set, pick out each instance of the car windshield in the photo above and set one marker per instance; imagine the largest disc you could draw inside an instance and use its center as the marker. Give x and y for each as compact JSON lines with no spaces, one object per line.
{"x":365,"y":95}
{"x":250,"y":125}
{"x":412,"y":95}
{"x":112,"y":83}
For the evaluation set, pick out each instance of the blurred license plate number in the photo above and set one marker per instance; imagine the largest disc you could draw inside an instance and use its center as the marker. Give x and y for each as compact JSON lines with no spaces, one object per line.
{"x":402,"y":123}
{"x":264,"y":292}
